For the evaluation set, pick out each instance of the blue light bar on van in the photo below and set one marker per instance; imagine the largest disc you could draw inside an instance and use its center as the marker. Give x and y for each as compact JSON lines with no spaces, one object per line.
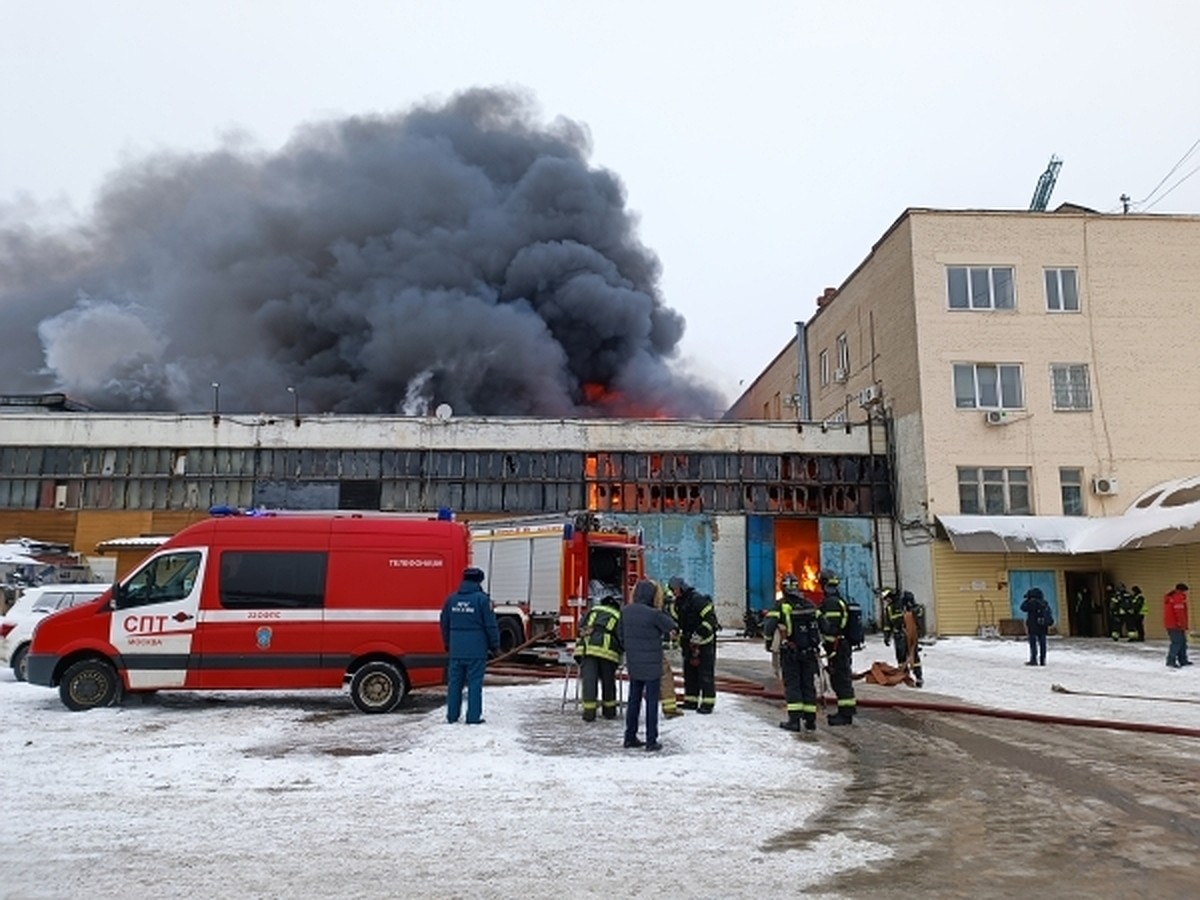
{"x":445,"y":514}
{"x":223,"y":510}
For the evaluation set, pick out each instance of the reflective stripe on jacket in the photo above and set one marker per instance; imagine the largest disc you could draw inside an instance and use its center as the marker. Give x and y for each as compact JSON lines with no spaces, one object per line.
{"x":598,"y":634}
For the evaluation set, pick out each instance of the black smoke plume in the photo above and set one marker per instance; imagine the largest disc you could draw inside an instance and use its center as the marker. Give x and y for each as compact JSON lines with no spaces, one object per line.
{"x":461,"y":253}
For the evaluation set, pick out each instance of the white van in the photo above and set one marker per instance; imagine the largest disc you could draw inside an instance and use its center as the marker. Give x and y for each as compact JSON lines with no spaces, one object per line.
{"x":16,"y":627}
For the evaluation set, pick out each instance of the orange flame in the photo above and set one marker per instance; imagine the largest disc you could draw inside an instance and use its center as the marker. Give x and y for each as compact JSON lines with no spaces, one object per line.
{"x":614,"y":404}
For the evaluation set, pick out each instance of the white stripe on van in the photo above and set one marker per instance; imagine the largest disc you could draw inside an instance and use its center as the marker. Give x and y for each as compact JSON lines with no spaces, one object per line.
{"x":268,"y":616}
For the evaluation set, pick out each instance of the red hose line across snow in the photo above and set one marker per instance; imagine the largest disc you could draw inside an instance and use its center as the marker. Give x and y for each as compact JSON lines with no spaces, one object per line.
{"x":745,"y":688}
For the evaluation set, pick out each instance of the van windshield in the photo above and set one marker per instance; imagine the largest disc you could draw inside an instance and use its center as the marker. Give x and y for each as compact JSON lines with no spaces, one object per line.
{"x":166,"y":577}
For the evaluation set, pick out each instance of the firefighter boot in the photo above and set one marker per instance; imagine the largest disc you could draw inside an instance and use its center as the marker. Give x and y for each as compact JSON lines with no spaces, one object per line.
{"x":810,"y":721}
{"x":841,"y":717}
{"x":792,"y":723}
{"x":589,"y":715}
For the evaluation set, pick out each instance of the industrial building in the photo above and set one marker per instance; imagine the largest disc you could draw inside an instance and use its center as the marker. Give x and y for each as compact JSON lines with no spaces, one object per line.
{"x":729,"y":505}
{"x":1033,"y":375}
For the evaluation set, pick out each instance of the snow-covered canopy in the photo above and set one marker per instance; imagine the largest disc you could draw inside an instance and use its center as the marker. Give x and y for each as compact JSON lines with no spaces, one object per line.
{"x":1164,"y":516}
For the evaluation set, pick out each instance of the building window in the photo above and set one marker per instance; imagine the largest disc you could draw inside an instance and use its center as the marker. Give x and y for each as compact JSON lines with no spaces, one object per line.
{"x":994,"y":492}
{"x":843,"y":354}
{"x":1069,"y":386}
{"x":1062,"y":291}
{"x":824,"y":368}
{"x":988,"y":386}
{"x":1070,"y":483}
{"x":980,"y":287}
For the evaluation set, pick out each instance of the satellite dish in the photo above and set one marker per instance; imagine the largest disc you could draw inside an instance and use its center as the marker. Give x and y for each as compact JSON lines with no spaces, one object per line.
{"x":444,"y":411}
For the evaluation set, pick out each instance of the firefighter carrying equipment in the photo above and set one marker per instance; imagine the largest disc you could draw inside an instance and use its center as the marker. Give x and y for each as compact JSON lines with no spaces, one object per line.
{"x":800,"y":644}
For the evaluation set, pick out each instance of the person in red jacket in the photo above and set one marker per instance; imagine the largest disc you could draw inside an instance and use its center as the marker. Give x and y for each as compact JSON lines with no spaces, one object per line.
{"x":1175,"y":618}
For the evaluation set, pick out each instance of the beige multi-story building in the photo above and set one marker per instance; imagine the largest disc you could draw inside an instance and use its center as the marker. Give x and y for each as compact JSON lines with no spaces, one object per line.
{"x":1037,"y":374}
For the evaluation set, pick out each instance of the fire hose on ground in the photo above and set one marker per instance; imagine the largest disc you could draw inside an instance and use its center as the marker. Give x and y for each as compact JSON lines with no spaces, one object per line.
{"x":747,"y":688}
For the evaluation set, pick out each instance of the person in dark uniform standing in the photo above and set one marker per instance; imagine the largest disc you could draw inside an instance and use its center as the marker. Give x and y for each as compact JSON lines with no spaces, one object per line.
{"x":1138,"y":608}
{"x":903,"y":626}
{"x":1118,"y":611}
{"x":598,"y":651}
{"x":698,"y":626}
{"x":1038,"y":620}
{"x":799,"y":648}
{"x":839,"y":654}
{"x":469,"y":634}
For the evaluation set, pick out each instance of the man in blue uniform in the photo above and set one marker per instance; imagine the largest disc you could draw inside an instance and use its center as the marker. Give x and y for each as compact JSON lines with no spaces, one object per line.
{"x":469,"y":633}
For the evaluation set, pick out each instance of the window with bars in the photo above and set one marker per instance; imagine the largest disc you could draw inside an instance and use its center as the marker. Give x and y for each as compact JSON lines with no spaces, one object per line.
{"x":980,"y":287}
{"x":994,"y":492}
{"x":1069,"y":386}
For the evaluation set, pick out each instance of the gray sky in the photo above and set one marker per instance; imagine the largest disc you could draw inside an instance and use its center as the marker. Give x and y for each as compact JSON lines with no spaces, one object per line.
{"x":765,"y":146}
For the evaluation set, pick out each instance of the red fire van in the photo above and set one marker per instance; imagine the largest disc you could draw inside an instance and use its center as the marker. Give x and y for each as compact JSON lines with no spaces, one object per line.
{"x":266,"y":601}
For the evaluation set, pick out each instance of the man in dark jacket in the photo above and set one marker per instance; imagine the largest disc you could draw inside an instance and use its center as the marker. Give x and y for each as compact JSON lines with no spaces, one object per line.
{"x":1037,"y":623}
{"x":698,"y":624}
{"x":641,"y":630}
{"x":469,"y":634}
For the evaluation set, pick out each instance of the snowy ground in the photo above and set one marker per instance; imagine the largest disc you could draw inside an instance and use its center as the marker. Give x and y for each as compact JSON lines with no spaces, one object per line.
{"x":224,"y":795}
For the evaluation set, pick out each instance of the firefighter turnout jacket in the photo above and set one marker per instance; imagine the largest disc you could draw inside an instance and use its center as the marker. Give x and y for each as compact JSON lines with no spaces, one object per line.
{"x":598,"y":634}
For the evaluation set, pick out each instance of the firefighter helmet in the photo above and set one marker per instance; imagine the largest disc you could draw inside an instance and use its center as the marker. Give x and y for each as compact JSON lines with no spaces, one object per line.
{"x":789,"y":582}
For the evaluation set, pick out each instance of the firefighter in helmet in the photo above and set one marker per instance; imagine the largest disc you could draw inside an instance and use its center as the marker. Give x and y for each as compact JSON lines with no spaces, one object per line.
{"x":698,"y":625}
{"x":598,"y":652}
{"x":903,"y":625}
{"x":835,"y":626}
{"x":799,"y":649}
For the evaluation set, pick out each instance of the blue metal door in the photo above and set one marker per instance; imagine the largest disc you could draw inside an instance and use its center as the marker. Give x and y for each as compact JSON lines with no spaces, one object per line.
{"x":1020,"y":581}
{"x":676,"y":544}
{"x":846,"y":550}
{"x":760,"y":562}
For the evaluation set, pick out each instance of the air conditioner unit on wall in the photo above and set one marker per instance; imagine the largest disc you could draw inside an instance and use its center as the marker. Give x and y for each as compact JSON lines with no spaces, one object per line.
{"x":995,"y":417}
{"x":840,"y":375}
{"x":868,"y":395}
{"x":1105,"y":487}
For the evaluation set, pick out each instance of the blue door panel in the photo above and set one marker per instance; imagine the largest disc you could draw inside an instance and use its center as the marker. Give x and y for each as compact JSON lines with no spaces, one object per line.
{"x":846,"y":550}
{"x":760,"y":562}
{"x":676,"y":545}
{"x":1020,"y":581}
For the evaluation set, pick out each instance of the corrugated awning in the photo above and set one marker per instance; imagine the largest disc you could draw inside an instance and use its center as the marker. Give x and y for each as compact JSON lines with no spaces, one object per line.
{"x":1013,"y":534}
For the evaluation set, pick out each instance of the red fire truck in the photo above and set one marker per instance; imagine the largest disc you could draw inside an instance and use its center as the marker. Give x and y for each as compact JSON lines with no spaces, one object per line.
{"x":543,"y":571}
{"x":268,"y":601}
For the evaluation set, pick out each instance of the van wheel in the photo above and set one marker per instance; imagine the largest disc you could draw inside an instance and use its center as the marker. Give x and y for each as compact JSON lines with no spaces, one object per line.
{"x":378,"y":687}
{"x":88,"y":684}
{"x":20,"y":664}
{"x":510,"y":635}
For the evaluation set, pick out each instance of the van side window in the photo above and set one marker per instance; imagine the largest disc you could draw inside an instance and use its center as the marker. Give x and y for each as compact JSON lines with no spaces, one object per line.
{"x":167,"y":577}
{"x":270,"y":579}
